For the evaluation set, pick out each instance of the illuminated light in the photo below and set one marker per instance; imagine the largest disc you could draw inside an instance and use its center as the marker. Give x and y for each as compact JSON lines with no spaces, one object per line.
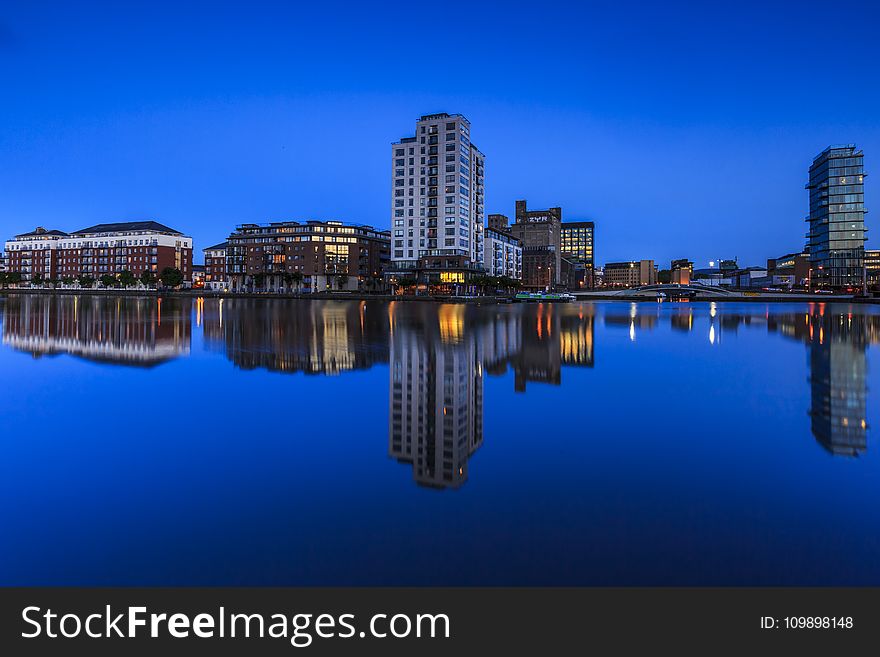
{"x":632,"y":331}
{"x":712,"y":334}
{"x":864,"y":424}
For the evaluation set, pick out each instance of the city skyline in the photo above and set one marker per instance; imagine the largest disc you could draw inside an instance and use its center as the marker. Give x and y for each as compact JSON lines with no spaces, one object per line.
{"x":703,"y":158}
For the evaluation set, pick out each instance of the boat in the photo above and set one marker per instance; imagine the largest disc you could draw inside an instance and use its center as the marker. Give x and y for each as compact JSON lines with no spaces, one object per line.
{"x":557,"y":297}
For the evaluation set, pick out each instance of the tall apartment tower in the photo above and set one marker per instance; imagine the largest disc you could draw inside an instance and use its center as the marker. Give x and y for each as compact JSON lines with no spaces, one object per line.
{"x":437,"y":203}
{"x":837,"y":218}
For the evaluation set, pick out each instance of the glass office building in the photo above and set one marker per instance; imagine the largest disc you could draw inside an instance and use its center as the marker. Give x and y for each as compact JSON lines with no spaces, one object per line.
{"x":837,"y":218}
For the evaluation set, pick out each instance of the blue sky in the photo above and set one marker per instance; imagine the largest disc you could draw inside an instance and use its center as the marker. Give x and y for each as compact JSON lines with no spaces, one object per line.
{"x":683,"y":131}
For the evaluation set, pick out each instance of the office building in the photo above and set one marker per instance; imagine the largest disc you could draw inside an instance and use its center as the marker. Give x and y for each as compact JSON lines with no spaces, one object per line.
{"x":634,"y":273}
{"x":872,"y":267}
{"x":791,"y":269}
{"x":437,"y":202}
{"x":681,"y":271}
{"x":99,"y":250}
{"x":310,"y":256}
{"x":577,"y":241}
{"x":503,"y":254}
{"x":836,"y":236}
{"x":539,"y":231}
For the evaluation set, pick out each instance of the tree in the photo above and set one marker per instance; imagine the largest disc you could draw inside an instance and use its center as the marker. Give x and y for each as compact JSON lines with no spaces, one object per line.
{"x":13,"y":278}
{"x":108,"y":280}
{"x":68,"y":280}
{"x":127,"y":279}
{"x":53,"y":282}
{"x":297,"y":279}
{"x":259,"y":280}
{"x":148,"y":278}
{"x":171,"y":277}
{"x":86,"y":281}
{"x":37,"y":279}
{"x":407,"y":281}
{"x":342,"y":280}
{"x":664,"y":276}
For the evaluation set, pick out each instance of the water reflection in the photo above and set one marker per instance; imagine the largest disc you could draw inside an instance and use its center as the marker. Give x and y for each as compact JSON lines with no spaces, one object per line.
{"x":120,"y":330}
{"x":318,"y":337}
{"x":439,"y":354}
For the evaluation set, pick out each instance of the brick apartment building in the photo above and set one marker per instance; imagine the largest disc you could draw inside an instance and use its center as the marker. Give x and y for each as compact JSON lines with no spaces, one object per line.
{"x":136,"y":246}
{"x":329,"y":255}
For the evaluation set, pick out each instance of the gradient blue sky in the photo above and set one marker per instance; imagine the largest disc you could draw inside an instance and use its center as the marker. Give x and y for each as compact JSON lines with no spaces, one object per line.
{"x":683,"y":131}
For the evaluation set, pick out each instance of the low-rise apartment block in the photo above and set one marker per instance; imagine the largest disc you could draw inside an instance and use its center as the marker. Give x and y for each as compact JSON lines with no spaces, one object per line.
{"x":309,"y":256}
{"x":135,"y":246}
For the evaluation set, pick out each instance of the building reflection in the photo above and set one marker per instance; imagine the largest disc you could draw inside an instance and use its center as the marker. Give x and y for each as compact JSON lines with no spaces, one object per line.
{"x":837,"y":340}
{"x":436,"y":394}
{"x":134,"y":331}
{"x":314,"y":337}
{"x":438,"y":357}
{"x":838,"y":362}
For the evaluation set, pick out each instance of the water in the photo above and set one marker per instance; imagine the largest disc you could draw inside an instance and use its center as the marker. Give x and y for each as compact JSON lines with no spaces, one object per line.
{"x":251,"y":441}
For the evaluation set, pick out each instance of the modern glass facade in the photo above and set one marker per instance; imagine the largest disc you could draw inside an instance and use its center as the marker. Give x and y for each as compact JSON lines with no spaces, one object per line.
{"x":577,"y":241}
{"x":837,"y":218}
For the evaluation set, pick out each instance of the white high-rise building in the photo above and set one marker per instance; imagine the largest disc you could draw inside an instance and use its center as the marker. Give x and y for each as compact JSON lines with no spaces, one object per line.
{"x":437,"y":197}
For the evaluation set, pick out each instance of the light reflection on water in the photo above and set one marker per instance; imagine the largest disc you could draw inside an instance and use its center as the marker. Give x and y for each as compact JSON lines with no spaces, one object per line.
{"x":622,"y":373}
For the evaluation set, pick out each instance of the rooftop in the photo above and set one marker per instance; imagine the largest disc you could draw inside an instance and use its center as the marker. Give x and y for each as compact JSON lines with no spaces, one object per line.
{"x":41,"y":232}
{"x":127,"y":226}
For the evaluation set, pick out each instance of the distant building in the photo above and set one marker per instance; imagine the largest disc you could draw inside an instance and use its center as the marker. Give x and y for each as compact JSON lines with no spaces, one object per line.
{"x":503,"y":254}
{"x":872,"y":266}
{"x":540,"y":234}
{"x":324,"y":255}
{"x":793,"y":267}
{"x":437,"y":197}
{"x":681,"y":271}
{"x":499,"y":222}
{"x":135,"y":246}
{"x":630,"y":274}
{"x":714,"y":276}
{"x":837,"y":218}
{"x":751,"y":277}
{"x":215,"y":267}
{"x":198,"y":276}
{"x":577,"y":244}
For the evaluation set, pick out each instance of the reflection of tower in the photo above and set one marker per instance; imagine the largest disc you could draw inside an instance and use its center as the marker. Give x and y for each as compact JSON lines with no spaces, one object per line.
{"x":838,"y":382}
{"x":539,"y":359}
{"x":436,"y":402}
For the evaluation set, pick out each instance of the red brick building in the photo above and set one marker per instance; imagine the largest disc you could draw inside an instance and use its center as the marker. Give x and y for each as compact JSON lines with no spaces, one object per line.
{"x":327,"y":255}
{"x":135,"y":246}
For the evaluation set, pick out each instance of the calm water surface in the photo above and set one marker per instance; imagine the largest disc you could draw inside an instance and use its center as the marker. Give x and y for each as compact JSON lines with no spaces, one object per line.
{"x":251,"y":441}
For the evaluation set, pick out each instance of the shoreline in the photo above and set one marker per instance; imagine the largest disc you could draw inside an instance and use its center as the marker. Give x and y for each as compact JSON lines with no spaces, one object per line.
{"x":499,"y":300}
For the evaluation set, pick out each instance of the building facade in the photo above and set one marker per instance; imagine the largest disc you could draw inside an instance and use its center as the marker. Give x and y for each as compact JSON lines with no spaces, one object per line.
{"x":793,"y":266}
{"x":503,"y":254}
{"x":872,"y":267}
{"x":577,"y":240}
{"x":681,"y":271}
{"x":136,"y":247}
{"x":215,"y":267}
{"x":437,"y":198}
{"x":540,"y":234}
{"x":311,"y":256}
{"x":836,"y":236}
{"x":630,"y":274}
